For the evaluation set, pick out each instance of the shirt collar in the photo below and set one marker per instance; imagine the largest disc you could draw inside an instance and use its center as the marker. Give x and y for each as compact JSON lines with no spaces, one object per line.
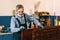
{"x":17,"y":15}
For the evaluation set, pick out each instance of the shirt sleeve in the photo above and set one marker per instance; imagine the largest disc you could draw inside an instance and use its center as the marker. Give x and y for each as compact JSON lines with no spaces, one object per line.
{"x":38,"y":23}
{"x":31,"y":18}
{"x":12,"y":25}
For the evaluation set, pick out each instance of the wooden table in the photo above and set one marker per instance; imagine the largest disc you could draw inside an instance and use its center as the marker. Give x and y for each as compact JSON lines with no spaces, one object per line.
{"x":52,"y":33}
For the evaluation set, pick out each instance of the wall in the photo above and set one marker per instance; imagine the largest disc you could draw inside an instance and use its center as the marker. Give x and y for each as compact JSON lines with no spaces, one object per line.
{"x":57,"y":7}
{"x":6,"y":6}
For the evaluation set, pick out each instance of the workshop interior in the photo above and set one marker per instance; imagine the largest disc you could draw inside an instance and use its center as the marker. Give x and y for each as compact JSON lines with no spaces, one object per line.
{"x":47,"y":12}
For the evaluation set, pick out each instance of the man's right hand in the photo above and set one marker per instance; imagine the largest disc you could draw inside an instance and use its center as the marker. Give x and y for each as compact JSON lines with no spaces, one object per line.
{"x":22,"y":27}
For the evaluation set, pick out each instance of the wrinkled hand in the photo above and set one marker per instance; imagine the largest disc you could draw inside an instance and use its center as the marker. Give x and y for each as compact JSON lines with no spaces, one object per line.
{"x":22,"y":27}
{"x":42,"y":27}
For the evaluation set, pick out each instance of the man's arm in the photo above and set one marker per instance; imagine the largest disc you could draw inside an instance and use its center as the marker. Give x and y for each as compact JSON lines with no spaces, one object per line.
{"x":38,"y":23}
{"x":12,"y":25}
{"x":31,"y":18}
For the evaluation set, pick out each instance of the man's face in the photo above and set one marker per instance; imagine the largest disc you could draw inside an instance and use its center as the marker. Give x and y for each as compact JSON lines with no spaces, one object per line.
{"x":20,"y":11}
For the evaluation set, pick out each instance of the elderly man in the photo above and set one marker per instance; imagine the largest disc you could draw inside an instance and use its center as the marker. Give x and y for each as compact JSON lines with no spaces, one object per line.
{"x":19,"y":21}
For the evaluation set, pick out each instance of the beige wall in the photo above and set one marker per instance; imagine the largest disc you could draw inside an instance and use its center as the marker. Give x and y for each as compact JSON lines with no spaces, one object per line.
{"x":6,"y":6}
{"x":57,"y":7}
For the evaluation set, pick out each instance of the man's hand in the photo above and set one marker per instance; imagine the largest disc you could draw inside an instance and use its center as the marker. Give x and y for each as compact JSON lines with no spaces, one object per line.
{"x":22,"y":27}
